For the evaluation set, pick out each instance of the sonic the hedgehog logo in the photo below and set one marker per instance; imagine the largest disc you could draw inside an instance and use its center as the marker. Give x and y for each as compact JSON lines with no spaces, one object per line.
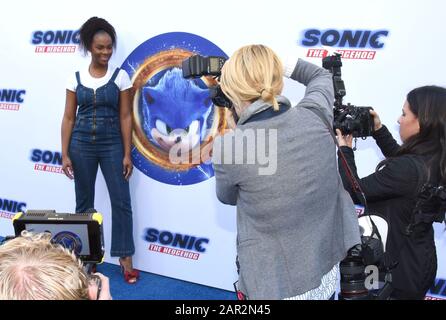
{"x":69,"y":240}
{"x":176,"y":111}
{"x":175,"y":121}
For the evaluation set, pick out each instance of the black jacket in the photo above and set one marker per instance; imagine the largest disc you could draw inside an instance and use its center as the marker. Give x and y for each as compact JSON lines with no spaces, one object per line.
{"x":391,"y":193}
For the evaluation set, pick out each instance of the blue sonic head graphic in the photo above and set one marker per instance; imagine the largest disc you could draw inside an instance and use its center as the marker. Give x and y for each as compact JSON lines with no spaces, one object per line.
{"x":175,"y":111}
{"x":172,"y":115}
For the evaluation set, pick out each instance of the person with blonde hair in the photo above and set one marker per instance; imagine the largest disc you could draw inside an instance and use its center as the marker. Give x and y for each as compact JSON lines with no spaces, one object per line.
{"x":33,"y":268}
{"x":295,"y":222}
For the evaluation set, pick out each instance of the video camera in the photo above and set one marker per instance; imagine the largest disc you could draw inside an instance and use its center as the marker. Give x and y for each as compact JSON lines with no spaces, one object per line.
{"x":198,"y":66}
{"x":348,"y":118}
{"x":80,"y":232}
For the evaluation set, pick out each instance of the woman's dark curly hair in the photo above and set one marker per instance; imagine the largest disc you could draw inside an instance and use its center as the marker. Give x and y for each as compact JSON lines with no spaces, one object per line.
{"x":90,"y":28}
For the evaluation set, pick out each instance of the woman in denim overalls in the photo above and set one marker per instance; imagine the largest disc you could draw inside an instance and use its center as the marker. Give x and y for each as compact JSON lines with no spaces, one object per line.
{"x":100,"y":134}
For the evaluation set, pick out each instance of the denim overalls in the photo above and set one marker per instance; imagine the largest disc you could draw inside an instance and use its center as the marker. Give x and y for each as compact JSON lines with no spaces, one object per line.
{"x":96,"y":140}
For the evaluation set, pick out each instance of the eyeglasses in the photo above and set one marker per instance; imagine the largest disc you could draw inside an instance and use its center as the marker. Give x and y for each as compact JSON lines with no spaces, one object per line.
{"x":96,"y":280}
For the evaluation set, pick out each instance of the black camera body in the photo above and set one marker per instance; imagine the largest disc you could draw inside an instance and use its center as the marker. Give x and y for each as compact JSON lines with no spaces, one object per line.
{"x":353,"y":120}
{"x":198,"y":66}
{"x":350,"y":119}
{"x":353,"y":269}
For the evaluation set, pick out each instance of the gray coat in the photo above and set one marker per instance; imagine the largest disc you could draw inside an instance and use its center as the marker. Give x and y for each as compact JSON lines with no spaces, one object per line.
{"x":293,"y":225}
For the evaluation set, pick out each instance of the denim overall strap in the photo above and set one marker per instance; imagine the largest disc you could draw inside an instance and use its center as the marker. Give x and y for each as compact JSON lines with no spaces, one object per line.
{"x":115,"y":74}
{"x":78,"y":78}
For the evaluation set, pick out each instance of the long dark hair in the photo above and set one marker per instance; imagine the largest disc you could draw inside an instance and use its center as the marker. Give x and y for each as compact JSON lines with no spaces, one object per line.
{"x":428,"y":104}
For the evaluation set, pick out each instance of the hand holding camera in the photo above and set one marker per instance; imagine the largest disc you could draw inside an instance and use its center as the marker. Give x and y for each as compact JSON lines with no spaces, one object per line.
{"x":99,"y":287}
{"x":347,"y":139}
{"x":376,"y":120}
{"x":344,"y":140}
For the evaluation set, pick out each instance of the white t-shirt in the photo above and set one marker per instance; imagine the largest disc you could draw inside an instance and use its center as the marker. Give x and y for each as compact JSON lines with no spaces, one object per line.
{"x":122,"y":80}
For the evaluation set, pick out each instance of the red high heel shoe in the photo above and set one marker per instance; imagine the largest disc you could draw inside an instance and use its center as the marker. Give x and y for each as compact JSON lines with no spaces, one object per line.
{"x":130,"y":277}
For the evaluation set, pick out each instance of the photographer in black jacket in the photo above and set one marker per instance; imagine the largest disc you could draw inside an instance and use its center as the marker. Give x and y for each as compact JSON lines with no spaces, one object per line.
{"x":392,"y":190}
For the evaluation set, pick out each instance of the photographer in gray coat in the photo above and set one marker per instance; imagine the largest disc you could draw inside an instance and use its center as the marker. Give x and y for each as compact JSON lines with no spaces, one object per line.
{"x":295,"y":221}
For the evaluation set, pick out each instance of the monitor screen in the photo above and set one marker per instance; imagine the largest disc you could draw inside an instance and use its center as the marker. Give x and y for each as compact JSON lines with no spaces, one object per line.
{"x":71,"y":236}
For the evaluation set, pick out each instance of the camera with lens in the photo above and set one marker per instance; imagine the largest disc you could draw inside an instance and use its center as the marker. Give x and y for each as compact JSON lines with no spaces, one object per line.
{"x":350,"y":119}
{"x":198,"y":66}
{"x":364,"y":275}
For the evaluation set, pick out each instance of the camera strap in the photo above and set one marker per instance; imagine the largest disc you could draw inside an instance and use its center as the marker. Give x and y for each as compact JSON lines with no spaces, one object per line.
{"x":351,"y":177}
